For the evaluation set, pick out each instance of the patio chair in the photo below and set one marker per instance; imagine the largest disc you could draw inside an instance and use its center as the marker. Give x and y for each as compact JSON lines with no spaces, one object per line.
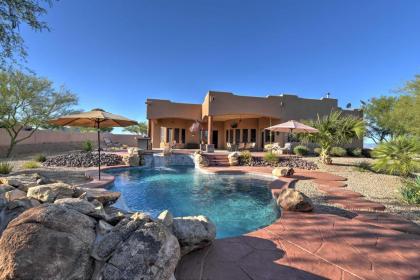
{"x":250,"y":146}
{"x":287,"y":148}
{"x":109,"y":144}
{"x":229,"y":146}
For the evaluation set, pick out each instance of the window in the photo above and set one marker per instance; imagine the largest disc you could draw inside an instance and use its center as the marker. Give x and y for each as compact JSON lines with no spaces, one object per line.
{"x":253,"y":135}
{"x":169,"y":138}
{"x":245,"y":135}
{"x":183,"y":136}
{"x":176,"y":135}
{"x":237,"y":136}
{"x":162,"y":134}
{"x":227,"y":136}
{"x":231,"y":136}
{"x":268,"y":133}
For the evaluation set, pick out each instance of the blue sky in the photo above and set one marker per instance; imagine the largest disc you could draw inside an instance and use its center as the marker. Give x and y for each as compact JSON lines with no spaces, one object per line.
{"x":115,"y":54}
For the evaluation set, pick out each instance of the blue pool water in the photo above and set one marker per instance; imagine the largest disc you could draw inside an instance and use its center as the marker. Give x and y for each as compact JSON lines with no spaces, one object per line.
{"x":237,"y":204}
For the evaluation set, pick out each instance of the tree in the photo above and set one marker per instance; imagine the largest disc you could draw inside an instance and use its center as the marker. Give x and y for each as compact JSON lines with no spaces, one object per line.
{"x":399,"y":156}
{"x":379,"y":118}
{"x":139,"y":129}
{"x":14,"y":13}
{"x":27,"y":101}
{"x":334,"y":129}
{"x":388,"y":117}
{"x":407,"y":109}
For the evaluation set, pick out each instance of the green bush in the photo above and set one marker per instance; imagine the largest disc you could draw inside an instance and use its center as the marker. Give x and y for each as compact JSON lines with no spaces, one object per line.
{"x":354,"y":152}
{"x":5,"y":168}
{"x":40,"y":158}
{"x":399,"y":156}
{"x":87,"y":146}
{"x":301,"y":150}
{"x":271,"y":158}
{"x":363,"y":166}
{"x":317,"y":151}
{"x":338,"y":152}
{"x":410,"y":192}
{"x":31,"y":165}
{"x":246,"y":157}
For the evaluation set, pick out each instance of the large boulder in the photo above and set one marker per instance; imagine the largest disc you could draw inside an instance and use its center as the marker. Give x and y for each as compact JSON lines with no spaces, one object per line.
{"x":51,"y":192}
{"x":166,"y":218}
{"x":11,"y":209}
{"x":95,"y":210}
{"x":234,"y":158}
{"x":137,"y":248}
{"x":102,"y":195}
{"x":283,"y":172}
{"x":193,"y":232}
{"x":14,"y":195}
{"x":200,"y":159}
{"x":131,"y":160}
{"x":11,"y":181}
{"x":293,"y":200}
{"x":48,"y":242}
{"x":5,"y":188}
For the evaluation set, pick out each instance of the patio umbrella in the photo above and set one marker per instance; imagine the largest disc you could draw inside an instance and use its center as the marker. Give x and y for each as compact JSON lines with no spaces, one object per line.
{"x":97,"y":118}
{"x":292,"y":126}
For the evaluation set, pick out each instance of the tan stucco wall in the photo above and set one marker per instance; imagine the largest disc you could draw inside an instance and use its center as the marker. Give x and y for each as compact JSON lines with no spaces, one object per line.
{"x":160,"y":109}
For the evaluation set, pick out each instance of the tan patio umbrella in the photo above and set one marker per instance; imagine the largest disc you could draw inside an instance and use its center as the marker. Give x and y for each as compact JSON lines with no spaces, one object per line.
{"x":97,"y":118}
{"x":292,"y":126}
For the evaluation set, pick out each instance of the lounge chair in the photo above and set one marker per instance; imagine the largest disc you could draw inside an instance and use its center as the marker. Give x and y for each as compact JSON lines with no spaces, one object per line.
{"x":250,"y":146}
{"x":287,"y":148}
{"x":109,"y":144}
{"x":229,"y":146}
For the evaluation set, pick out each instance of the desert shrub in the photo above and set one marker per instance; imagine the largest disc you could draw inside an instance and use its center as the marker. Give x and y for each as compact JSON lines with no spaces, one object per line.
{"x":40,"y":158}
{"x":87,"y":146}
{"x":367,"y":153}
{"x":410,"y":191}
{"x":317,"y":151}
{"x":338,"y":152}
{"x":246,"y":158}
{"x":271,"y":158}
{"x":301,"y":150}
{"x":363,"y":166}
{"x":5,"y":168}
{"x":400,"y":156}
{"x":354,"y":152}
{"x":31,"y":164}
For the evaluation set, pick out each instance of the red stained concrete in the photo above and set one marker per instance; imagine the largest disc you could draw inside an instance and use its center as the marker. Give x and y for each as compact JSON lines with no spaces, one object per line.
{"x":370,"y":245}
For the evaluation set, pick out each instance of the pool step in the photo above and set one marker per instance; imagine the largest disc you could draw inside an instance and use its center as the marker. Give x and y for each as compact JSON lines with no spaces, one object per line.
{"x":217,"y":160}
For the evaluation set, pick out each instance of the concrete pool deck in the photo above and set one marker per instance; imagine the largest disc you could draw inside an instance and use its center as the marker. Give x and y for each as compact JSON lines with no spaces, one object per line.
{"x":370,"y":245}
{"x":364,"y":244}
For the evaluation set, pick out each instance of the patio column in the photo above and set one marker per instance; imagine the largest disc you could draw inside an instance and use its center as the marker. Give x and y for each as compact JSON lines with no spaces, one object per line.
{"x":209,"y":129}
{"x":149,"y":129}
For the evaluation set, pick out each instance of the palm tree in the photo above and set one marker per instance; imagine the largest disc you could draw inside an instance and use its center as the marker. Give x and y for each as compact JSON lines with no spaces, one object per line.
{"x":399,"y":156}
{"x":334,"y":129}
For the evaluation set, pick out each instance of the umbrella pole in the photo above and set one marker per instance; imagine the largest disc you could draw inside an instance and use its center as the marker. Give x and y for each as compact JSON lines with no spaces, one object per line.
{"x":99,"y":151}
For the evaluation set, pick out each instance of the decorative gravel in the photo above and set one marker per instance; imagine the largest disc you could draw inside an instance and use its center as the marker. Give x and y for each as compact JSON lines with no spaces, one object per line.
{"x":375,"y":187}
{"x":83,"y":159}
{"x":319,"y":199}
{"x":294,"y":162}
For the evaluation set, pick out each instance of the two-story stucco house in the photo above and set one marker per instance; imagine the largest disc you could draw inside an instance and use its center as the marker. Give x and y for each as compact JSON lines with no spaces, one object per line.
{"x":228,"y":118}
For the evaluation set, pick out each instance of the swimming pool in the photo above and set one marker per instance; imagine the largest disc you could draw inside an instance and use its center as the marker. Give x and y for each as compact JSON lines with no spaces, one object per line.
{"x":237,"y":204}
